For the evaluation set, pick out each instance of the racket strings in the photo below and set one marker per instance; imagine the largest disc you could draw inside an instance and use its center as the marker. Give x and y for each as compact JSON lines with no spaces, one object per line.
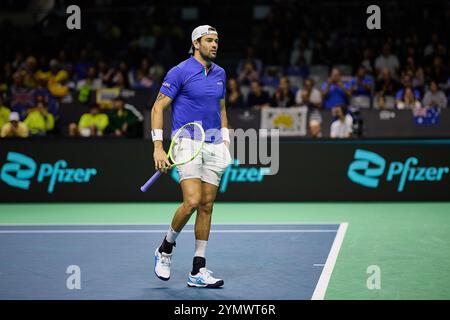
{"x":187,"y":144}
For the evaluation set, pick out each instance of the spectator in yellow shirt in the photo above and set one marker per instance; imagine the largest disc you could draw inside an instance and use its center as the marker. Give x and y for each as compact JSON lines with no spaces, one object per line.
{"x":91,"y":124}
{"x":57,"y":80}
{"x":4,"y":113}
{"x":39,"y":121}
{"x":14,"y":128}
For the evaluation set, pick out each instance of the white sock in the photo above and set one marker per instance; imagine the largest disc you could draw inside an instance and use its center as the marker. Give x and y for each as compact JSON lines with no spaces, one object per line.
{"x":200,"y":248}
{"x":171,"y":235}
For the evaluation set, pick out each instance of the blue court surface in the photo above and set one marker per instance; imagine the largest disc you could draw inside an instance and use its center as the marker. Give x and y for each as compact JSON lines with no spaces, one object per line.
{"x":116,"y":261}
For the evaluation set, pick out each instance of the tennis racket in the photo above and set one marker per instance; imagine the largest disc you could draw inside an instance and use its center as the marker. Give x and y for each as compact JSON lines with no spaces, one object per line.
{"x":185,"y":146}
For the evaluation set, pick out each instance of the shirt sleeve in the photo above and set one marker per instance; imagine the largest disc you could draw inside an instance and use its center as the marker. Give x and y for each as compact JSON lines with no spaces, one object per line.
{"x":172,"y":83}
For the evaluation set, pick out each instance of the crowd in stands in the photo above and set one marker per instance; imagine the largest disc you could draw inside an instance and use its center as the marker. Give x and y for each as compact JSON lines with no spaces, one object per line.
{"x":419,"y":80}
{"x":291,"y":60}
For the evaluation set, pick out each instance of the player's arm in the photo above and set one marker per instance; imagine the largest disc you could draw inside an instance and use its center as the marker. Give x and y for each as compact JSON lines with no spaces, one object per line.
{"x":224,"y":123}
{"x":157,"y":119}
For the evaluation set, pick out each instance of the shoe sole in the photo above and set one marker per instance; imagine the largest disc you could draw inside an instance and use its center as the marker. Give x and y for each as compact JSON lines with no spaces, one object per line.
{"x":213,"y":285}
{"x":162,"y":278}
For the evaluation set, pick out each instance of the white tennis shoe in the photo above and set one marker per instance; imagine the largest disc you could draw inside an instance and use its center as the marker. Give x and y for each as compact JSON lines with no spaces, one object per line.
{"x":203,"y":279}
{"x":162,"y":265}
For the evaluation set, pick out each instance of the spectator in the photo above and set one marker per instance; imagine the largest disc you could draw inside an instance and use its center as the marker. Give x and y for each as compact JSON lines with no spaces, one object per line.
{"x":417,"y":78}
{"x":14,"y":128}
{"x":122,"y":119}
{"x":380,"y":101}
{"x":301,"y":50}
{"x":300,"y":57}
{"x":4,"y":112}
{"x":57,"y":80}
{"x":299,"y":68}
{"x":387,"y":60}
{"x":63,"y":62}
{"x":18,"y":60}
{"x":270,"y":78}
{"x":91,"y":124}
{"x":438,"y":71}
{"x":361,"y":84}
{"x":88,"y":85}
{"x":39,"y":121}
{"x":367,"y":62}
{"x":257,"y":97}
{"x":334,"y":91}
{"x":141,"y":77}
{"x":431,"y":48}
{"x":6,"y":78}
{"x":105,"y":73}
{"x":248,"y":74}
{"x":42,"y":91}
{"x":434,"y":97}
{"x":92,"y":81}
{"x":315,"y":128}
{"x":408,"y":100}
{"x":274,"y":53}
{"x":30,"y":72}
{"x":120,"y":80}
{"x":234,"y":98}
{"x":309,"y":95}
{"x":320,"y":50}
{"x":342,"y":127}
{"x":283,"y":96}
{"x":407,"y":84}
{"x":250,"y":57}
{"x":82,"y":66}
{"x":21,"y":96}
{"x":387,"y":85}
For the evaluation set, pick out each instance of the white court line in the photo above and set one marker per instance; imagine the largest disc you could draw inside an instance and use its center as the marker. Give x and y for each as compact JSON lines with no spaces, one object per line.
{"x":164,"y":231}
{"x":159,"y":224}
{"x":322,"y":284}
{"x":318,"y":265}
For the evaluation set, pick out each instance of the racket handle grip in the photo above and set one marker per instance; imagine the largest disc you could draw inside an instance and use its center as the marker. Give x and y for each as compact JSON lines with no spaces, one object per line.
{"x":151,"y":181}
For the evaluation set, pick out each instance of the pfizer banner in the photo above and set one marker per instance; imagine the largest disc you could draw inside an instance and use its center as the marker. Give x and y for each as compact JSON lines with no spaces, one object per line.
{"x":296,"y":170}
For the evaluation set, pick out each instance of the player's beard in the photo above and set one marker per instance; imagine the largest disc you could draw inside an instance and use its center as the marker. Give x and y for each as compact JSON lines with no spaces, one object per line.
{"x":207,"y":57}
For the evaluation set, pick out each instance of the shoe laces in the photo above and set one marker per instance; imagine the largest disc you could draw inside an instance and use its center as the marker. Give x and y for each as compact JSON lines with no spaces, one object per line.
{"x":206,"y":273}
{"x":165,"y":259}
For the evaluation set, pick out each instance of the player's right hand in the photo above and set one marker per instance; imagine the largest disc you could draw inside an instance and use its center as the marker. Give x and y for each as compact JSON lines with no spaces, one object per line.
{"x":161,"y":161}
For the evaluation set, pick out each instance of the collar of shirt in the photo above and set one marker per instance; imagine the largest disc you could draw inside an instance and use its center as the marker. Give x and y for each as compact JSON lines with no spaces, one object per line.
{"x":199,"y":65}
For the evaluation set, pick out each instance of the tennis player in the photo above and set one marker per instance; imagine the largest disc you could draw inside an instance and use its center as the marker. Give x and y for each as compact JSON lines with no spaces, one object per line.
{"x":196,"y":90}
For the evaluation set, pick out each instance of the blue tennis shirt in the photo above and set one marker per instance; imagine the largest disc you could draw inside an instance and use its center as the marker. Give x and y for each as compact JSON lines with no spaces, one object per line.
{"x":196,"y":96}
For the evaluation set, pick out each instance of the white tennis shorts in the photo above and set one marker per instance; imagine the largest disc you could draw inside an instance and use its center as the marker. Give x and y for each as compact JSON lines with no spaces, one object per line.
{"x":209,"y":165}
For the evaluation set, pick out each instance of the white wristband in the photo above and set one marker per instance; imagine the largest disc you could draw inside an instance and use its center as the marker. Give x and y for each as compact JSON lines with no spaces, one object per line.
{"x":225,"y":134}
{"x":157,"y":134}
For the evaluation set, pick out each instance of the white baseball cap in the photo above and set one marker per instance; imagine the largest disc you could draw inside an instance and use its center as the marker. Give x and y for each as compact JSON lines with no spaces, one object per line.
{"x":14,"y":116}
{"x":201,"y":31}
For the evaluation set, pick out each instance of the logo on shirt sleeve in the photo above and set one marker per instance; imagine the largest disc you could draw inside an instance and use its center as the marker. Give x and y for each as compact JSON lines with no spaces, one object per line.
{"x":166,"y":84}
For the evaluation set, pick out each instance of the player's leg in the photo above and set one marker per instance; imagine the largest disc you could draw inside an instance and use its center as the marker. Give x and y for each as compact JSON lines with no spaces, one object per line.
{"x":200,"y":276}
{"x":192,"y":190}
{"x":191,"y":186}
{"x":216,"y":159}
{"x":203,"y":225}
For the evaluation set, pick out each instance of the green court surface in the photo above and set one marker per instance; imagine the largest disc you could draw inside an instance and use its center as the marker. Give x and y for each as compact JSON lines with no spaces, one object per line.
{"x":408,"y":241}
